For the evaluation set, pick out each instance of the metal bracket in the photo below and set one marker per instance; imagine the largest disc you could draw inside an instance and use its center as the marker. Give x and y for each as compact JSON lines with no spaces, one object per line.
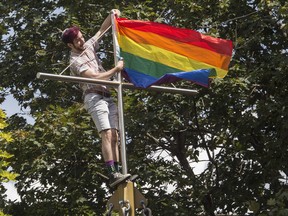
{"x":146,"y":211}
{"x":125,"y":207}
{"x":127,"y":191}
{"x":109,"y":213}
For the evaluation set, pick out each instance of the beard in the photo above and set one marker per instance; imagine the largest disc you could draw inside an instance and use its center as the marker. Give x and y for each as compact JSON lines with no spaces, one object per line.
{"x":79,"y":48}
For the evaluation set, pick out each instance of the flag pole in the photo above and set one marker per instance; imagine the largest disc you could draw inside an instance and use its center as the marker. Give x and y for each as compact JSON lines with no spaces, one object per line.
{"x":120,"y":99}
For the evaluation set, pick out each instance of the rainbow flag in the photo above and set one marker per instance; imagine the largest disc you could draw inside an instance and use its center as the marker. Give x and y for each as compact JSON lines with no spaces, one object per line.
{"x":157,"y":53}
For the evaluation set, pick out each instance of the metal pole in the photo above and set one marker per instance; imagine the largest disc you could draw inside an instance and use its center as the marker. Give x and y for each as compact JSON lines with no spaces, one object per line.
{"x":76,"y":79}
{"x":120,"y":102}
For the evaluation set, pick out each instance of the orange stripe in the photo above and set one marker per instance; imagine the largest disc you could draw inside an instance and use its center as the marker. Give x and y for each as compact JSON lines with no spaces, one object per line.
{"x":190,"y":51}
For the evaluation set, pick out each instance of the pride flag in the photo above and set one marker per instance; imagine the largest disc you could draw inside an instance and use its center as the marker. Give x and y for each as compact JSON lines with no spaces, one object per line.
{"x":157,"y":53}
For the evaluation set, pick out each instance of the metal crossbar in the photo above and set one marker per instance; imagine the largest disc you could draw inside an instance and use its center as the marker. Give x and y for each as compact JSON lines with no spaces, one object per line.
{"x":75,"y":79}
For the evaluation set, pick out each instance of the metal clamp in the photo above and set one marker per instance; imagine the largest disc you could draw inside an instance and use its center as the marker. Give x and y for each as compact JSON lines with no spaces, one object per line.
{"x":125,"y":206}
{"x":109,"y":213}
{"x":146,"y":211}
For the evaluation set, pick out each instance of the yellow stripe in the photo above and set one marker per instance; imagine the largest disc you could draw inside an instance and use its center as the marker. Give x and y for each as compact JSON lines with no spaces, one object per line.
{"x":171,"y":59}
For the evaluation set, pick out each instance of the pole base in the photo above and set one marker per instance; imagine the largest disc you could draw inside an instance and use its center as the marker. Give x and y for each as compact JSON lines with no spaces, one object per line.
{"x":126,"y":192}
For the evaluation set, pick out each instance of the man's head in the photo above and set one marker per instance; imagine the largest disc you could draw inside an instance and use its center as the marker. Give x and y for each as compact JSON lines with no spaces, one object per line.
{"x":69,"y":34}
{"x":73,"y":38}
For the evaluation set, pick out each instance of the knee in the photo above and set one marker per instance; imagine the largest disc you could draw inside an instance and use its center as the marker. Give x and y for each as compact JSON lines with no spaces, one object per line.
{"x":114,"y":136}
{"x":110,"y":134}
{"x":106,"y":134}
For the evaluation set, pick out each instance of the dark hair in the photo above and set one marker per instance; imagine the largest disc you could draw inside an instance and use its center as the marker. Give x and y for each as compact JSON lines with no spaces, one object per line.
{"x":69,"y":34}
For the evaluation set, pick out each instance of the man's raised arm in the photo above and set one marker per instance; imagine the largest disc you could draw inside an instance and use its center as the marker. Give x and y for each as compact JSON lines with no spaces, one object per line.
{"x":106,"y":24}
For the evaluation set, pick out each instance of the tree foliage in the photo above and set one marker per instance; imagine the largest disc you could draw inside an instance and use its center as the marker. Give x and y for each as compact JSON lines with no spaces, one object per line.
{"x":239,"y":124}
{"x":5,"y":174}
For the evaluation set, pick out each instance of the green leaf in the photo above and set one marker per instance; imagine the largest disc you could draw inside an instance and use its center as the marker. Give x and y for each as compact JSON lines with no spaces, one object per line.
{"x":5,"y":154}
{"x":254,"y":206}
{"x":8,"y":176}
{"x":271,"y":202}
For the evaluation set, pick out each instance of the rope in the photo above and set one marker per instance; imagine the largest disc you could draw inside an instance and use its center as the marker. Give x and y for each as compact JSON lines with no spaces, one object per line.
{"x":96,"y":39}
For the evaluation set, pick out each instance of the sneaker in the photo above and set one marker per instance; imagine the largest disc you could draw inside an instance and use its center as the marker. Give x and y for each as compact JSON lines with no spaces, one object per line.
{"x":116,"y":178}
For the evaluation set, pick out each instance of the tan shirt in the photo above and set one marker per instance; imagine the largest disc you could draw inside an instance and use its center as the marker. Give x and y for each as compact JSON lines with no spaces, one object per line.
{"x":87,"y":60}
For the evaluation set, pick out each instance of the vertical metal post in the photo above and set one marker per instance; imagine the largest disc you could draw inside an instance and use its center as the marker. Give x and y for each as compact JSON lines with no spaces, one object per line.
{"x":120,"y":99}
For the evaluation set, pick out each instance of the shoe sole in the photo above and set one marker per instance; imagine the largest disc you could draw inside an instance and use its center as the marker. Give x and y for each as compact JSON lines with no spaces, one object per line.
{"x":133,"y":177}
{"x":114,"y":184}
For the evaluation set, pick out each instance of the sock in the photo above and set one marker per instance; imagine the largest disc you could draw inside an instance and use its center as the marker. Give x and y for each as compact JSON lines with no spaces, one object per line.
{"x":110,"y":166}
{"x":116,"y":165}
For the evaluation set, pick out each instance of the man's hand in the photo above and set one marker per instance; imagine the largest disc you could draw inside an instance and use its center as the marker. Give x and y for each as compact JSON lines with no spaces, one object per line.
{"x":120,"y":65}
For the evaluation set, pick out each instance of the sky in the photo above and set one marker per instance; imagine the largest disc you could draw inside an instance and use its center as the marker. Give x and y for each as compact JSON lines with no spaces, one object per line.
{"x":11,"y":106}
{"x":11,"y":191}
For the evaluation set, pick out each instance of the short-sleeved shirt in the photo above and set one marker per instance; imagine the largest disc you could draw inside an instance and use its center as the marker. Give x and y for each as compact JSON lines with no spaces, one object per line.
{"x":88,"y":59}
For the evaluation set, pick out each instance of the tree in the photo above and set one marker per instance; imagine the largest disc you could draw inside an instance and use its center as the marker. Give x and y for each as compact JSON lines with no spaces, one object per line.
{"x":5,"y":174}
{"x":61,"y":172}
{"x":240,"y":122}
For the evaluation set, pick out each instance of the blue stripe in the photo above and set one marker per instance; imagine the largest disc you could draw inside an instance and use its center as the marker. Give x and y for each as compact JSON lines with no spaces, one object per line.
{"x":201,"y":77}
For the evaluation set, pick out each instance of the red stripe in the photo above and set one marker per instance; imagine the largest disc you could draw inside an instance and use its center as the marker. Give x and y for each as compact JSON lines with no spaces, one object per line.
{"x":188,"y":36}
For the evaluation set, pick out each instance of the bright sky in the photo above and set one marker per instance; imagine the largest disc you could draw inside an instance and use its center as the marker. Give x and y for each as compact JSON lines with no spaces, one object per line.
{"x":11,"y":106}
{"x":11,"y":191}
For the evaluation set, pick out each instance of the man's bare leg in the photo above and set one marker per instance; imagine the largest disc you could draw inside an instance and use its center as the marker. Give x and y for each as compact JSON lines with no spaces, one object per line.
{"x":110,"y":153}
{"x":107,"y":152}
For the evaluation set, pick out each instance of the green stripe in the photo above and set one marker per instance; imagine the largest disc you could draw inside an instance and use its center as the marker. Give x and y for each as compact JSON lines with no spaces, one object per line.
{"x":145,"y":66}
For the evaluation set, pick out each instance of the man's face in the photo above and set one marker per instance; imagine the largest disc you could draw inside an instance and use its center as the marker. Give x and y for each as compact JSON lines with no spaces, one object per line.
{"x":78,"y":42}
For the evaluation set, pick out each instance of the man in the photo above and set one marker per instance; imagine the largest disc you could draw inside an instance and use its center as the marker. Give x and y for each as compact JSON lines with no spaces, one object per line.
{"x":97,"y":98}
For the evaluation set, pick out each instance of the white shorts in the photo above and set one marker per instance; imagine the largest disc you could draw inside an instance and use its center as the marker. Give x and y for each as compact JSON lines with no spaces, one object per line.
{"x":103,"y":111}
